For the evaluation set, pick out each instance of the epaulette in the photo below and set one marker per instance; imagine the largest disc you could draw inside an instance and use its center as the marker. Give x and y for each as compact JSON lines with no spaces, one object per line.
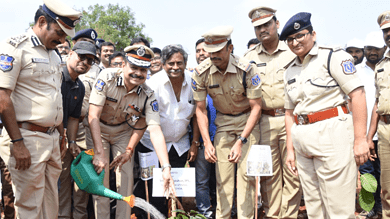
{"x":385,"y":58}
{"x":111,"y":75}
{"x":252,"y":48}
{"x":334,"y":48}
{"x":203,"y":66}
{"x":242,"y":63}
{"x":16,"y":40}
{"x":148,"y":91}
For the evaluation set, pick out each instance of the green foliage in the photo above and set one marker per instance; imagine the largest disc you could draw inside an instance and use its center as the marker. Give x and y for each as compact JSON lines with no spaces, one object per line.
{"x":369,"y":182}
{"x":113,"y":23}
{"x":366,"y":200}
{"x":191,"y":215}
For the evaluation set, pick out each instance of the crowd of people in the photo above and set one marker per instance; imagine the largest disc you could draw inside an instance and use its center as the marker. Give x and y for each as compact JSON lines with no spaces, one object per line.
{"x":322,"y":110}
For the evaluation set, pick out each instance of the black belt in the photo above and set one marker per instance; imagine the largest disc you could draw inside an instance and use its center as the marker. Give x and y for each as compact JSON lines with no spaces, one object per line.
{"x":105,"y":123}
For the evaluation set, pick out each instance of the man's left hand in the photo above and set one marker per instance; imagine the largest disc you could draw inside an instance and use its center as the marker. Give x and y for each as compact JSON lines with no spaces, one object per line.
{"x":192,"y":153}
{"x":235,"y":152}
{"x":361,"y":151}
{"x":118,"y":162}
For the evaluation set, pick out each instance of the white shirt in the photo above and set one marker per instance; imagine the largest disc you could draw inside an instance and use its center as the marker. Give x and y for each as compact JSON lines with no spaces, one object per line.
{"x":175,"y":116}
{"x":367,"y":76}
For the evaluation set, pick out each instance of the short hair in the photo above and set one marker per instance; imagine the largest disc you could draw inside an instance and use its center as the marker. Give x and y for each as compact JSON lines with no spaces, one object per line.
{"x":139,"y":40}
{"x":156,"y":50}
{"x":274,"y":18}
{"x":41,"y":12}
{"x":169,"y":50}
{"x":252,"y":41}
{"x":201,"y":40}
{"x":105,"y":44}
{"x":114,"y":55}
{"x":310,"y":29}
{"x":70,"y":45}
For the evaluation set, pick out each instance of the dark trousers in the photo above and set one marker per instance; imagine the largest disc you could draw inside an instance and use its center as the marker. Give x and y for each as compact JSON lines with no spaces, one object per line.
{"x":8,"y":195}
{"x":160,"y":203}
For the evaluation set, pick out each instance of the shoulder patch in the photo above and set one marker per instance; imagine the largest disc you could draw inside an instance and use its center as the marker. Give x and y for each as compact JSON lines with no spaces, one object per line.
{"x":348,"y":67}
{"x":6,"y":62}
{"x":193,"y":84}
{"x":203,"y":66}
{"x":99,"y":85}
{"x":154,"y":105}
{"x":147,"y":90}
{"x":16,"y":40}
{"x":255,"y":80}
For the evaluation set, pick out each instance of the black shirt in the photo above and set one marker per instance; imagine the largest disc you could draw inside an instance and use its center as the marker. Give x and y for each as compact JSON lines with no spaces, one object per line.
{"x":72,"y":96}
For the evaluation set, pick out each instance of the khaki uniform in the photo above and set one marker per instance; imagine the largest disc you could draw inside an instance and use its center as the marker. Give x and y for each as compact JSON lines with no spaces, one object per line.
{"x":281,"y":193}
{"x":382,"y":79}
{"x":324,"y":149}
{"x":227,"y":91}
{"x":34,"y":77}
{"x":119,"y":105}
{"x":80,"y":198}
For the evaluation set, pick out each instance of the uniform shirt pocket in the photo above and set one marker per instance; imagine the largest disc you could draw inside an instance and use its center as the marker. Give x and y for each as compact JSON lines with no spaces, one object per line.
{"x":214,"y":91}
{"x":318,"y":85}
{"x":237,"y":94}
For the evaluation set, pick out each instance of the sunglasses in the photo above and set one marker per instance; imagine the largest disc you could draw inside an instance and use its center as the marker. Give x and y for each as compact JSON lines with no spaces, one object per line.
{"x":90,"y":61}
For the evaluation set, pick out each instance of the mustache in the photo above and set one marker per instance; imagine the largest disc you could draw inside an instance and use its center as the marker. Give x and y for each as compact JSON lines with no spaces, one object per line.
{"x":388,"y":38}
{"x":64,"y":53}
{"x":136,"y":76}
{"x":175,"y":71}
{"x":57,"y":42}
{"x":216,"y":58}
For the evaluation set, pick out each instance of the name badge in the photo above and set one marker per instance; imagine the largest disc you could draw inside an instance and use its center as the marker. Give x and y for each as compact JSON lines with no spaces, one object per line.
{"x":214,"y":86}
{"x":291,"y":81}
{"x":112,"y":99}
{"x":380,"y":70}
{"x":40,"y":60}
{"x":261,"y":64}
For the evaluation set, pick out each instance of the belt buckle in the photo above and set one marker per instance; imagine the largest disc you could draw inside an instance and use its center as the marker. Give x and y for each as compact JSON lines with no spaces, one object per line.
{"x":51,"y":130}
{"x":301,"y":120}
{"x":279,"y":112}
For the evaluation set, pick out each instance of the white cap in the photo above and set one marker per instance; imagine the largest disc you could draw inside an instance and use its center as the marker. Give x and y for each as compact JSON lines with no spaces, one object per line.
{"x":375,"y":39}
{"x":355,"y":43}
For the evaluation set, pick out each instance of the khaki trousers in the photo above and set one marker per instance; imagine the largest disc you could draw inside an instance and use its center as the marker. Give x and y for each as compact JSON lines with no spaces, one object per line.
{"x":281,"y":193}
{"x":35,"y":189}
{"x":69,"y":189}
{"x":326,"y":167}
{"x":115,"y":139}
{"x":228,"y":129}
{"x":384,"y":157}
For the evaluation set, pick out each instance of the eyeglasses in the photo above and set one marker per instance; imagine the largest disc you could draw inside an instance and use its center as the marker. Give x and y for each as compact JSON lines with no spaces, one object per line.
{"x":116,"y":64}
{"x":63,"y":47}
{"x":299,"y":38}
{"x":155,"y":58}
{"x":90,"y":61}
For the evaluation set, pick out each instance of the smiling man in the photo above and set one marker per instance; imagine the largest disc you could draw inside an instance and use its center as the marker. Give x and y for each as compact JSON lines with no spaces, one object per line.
{"x":281,"y":193}
{"x":121,"y":107}
{"x":31,"y":109}
{"x":328,"y":142}
{"x":235,"y":87}
{"x":106,"y":50}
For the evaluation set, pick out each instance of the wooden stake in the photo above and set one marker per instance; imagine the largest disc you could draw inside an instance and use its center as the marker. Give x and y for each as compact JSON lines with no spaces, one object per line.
{"x":147,"y":195}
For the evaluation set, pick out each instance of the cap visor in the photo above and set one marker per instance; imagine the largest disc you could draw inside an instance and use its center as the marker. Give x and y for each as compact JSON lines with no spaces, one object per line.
{"x":262,"y":21}
{"x":84,"y":52}
{"x":385,"y":26}
{"x":68,"y":32}
{"x":137,"y":62}
{"x":214,"y":48}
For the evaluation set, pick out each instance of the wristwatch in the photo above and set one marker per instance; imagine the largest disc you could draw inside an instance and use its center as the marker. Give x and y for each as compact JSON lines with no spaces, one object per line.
{"x":197,"y":143}
{"x":244,"y":140}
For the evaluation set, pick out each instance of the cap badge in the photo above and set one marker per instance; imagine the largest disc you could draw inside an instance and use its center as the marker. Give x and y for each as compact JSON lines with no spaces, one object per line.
{"x":76,"y":21}
{"x":297,"y":26}
{"x":93,"y":35}
{"x":141,"y":51}
{"x":210,"y":40}
{"x":257,"y":14}
{"x":387,"y":17}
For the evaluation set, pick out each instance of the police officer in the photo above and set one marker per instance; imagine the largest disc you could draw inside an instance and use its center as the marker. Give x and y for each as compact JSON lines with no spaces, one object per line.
{"x":381,"y":115}
{"x":281,"y":193}
{"x":31,"y":109}
{"x":234,"y":86}
{"x":328,"y":141}
{"x":121,"y":106}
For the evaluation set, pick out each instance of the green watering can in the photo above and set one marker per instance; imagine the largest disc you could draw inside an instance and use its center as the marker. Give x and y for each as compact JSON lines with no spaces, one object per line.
{"x":86,"y":178}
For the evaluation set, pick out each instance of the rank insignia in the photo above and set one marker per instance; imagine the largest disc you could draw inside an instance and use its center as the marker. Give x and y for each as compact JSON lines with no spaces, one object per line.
{"x":154,"y":105}
{"x":193,"y":82}
{"x":99,"y":85}
{"x":255,"y":80}
{"x":348,"y":67}
{"x":6,"y":62}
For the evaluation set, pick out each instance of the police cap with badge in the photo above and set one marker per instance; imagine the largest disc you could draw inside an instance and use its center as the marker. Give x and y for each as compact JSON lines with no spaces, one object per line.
{"x":217,"y":38}
{"x":99,"y":42}
{"x":86,"y":33}
{"x":384,"y":20}
{"x":139,"y":55}
{"x":261,"y":15}
{"x":295,"y":24}
{"x":65,"y":16}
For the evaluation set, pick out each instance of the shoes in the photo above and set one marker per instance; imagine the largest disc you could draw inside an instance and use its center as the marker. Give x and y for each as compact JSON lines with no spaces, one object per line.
{"x":371,"y":214}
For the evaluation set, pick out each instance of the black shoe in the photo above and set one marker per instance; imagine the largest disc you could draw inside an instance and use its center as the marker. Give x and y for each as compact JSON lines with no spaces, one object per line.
{"x":372,"y":214}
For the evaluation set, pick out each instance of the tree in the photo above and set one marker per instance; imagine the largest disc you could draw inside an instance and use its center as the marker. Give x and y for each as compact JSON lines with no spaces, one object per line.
{"x":113,"y":23}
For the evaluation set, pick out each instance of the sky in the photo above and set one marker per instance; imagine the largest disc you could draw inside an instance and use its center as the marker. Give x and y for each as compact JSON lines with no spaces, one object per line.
{"x":184,"y":21}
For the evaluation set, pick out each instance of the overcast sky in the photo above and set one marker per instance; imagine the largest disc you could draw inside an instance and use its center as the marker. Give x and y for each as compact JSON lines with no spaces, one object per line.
{"x":184,"y":21}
